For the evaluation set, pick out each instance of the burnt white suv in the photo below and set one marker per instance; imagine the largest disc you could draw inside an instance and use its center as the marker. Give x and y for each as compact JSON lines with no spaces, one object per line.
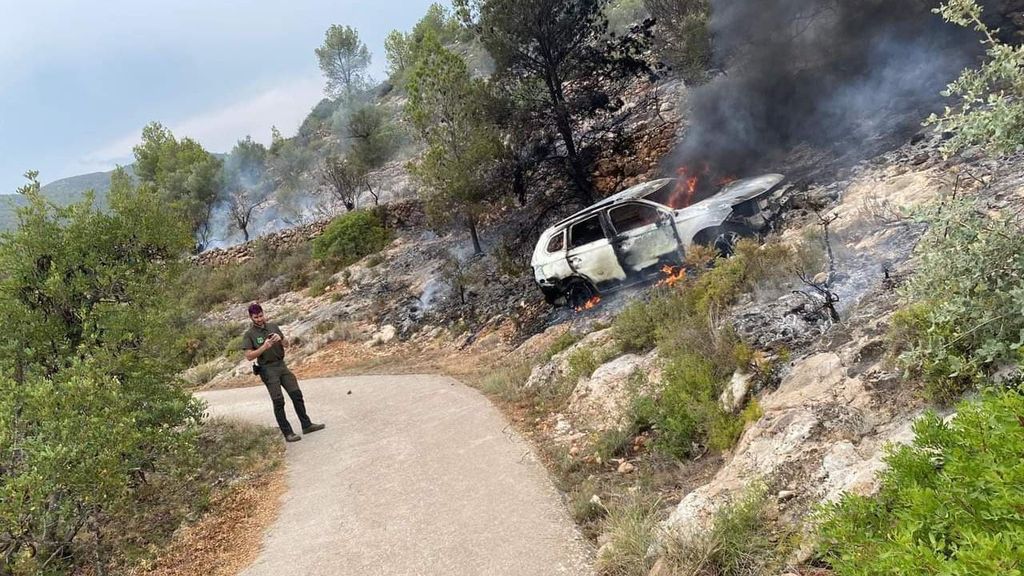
{"x":629,"y":236}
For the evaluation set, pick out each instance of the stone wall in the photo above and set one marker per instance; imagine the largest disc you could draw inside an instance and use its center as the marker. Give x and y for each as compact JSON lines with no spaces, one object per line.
{"x":400,"y":215}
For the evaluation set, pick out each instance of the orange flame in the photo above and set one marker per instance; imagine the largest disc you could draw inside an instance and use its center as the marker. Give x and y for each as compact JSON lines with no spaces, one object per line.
{"x":590,"y":304}
{"x":673,"y":276}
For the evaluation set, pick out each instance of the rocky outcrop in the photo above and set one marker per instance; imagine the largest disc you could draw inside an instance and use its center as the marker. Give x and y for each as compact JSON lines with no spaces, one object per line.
{"x":601,"y":402}
{"x":821,"y":435}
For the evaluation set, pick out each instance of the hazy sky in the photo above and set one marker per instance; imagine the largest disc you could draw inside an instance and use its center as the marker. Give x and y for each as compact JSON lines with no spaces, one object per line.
{"x":79,"y":80}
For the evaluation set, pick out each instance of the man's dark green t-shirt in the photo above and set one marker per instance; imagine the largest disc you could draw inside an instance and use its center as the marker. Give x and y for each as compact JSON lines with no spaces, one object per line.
{"x":255,"y":336}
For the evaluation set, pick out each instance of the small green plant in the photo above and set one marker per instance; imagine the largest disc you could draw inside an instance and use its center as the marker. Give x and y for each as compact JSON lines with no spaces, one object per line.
{"x":613,"y":443}
{"x":350,"y":238}
{"x":950,"y":503}
{"x":561,"y":344}
{"x":508,"y":382}
{"x":582,"y":363}
{"x":319,"y":285}
{"x":743,"y":540}
{"x":584,"y":507}
{"x":632,"y":527}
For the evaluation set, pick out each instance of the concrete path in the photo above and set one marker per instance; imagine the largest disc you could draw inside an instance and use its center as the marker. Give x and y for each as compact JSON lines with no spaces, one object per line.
{"x":414,"y":475}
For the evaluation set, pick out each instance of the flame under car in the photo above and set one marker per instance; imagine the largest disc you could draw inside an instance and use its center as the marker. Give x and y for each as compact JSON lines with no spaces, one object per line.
{"x":632,"y":235}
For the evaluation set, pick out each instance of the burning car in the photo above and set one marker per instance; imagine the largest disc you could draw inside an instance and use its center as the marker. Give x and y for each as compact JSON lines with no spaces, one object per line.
{"x":627,"y":237}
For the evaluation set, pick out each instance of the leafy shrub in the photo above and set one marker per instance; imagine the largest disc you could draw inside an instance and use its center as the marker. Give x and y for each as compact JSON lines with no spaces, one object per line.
{"x":270,"y":273}
{"x":688,"y":413}
{"x":743,"y":541}
{"x":700,"y":355}
{"x":950,"y":503}
{"x":351,"y":237}
{"x":963,"y":316}
{"x":582,"y":363}
{"x":990,"y":110}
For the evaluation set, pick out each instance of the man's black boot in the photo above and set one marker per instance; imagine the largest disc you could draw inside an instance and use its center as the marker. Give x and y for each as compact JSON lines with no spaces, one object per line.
{"x":312,"y":428}
{"x":293,"y":437}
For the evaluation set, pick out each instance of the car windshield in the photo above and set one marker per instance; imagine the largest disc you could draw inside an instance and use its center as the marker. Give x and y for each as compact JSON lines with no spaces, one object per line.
{"x":663,"y":195}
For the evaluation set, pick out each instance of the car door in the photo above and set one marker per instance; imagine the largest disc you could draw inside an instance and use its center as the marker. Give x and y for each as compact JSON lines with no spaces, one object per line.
{"x":645,"y":237}
{"x":590,"y":252}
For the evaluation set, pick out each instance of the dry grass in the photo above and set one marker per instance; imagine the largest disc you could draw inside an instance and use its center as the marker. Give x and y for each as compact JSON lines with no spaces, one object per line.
{"x":228,"y":538}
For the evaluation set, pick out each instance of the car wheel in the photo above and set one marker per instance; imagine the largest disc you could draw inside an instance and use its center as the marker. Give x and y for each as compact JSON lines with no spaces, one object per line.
{"x":724,"y":238}
{"x":578,"y":292}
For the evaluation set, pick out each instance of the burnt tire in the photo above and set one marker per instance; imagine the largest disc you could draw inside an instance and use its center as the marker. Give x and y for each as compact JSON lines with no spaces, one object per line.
{"x":578,"y":292}
{"x":724,"y":238}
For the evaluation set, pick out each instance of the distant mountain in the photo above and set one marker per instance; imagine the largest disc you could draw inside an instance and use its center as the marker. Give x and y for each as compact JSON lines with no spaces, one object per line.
{"x":62,"y":192}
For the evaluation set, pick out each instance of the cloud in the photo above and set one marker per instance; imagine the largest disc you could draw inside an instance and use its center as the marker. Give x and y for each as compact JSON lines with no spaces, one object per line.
{"x":284,"y":106}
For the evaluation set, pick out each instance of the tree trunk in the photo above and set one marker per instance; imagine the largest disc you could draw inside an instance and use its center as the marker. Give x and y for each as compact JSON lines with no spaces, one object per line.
{"x":475,"y":236}
{"x":245,"y":232}
{"x":577,"y":171}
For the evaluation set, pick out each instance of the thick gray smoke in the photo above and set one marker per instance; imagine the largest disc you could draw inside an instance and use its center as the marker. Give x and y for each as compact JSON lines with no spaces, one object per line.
{"x":846,"y":76}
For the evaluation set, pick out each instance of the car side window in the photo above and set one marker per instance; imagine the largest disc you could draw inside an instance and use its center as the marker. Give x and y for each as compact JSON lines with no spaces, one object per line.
{"x":557,"y":243}
{"x":585,"y":232}
{"x":632,"y":216}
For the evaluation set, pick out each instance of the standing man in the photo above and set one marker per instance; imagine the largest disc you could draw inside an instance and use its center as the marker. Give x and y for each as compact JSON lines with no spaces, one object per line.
{"x":264,"y":342}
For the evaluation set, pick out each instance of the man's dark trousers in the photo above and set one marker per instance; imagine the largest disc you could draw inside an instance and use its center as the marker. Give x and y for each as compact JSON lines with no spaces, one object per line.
{"x":276,"y":375}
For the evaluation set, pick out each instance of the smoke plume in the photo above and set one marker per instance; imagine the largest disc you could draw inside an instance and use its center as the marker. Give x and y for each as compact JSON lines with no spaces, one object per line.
{"x":847,"y":76}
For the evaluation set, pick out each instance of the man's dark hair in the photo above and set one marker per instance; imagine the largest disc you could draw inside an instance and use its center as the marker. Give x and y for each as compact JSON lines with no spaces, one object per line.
{"x":255,"y":309}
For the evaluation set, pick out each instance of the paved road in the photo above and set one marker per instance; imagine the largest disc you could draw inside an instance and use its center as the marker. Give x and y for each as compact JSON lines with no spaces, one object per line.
{"x":414,"y":475}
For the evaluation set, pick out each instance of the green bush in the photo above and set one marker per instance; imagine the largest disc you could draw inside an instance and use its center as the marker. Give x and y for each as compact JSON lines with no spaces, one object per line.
{"x":688,"y":413}
{"x":951,"y":503}
{"x":990,"y":107}
{"x":743,"y":540}
{"x":700,"y":354}
{"x":962,"y":319}
{"x":351,"y":237}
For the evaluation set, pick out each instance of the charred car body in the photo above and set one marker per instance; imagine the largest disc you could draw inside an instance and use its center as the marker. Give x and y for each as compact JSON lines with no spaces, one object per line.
{"x":627,"y":237}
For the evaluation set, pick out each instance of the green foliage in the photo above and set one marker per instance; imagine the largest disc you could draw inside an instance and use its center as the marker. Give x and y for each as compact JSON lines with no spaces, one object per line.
{"x":743,"y":540}
{"x":582,"y":362}
{"x":949,"y":504}
{"x":269,"y":273}
{"x":683,"y":39}
{"x":446,"y":107}
{"x":632,"y":527}
{"x":181,"y":171}
{"x":374,"y":138}
{"x":343,"y":59}
{"x":990,"y":109}
{"x":403,"y":50}
{"x":963,"y":317}
{"x":613,"y":443}
{"x":507,"y":382}
{"x":583,"y":507}
{"x":89,"y":403}
{"x":700,"y":355}
{"x":561,"y":68}
{"x":351,"y":237}
{"x":624,"y":14}
{"x":688,"y":411}
{"x":561,"y":344}
{"x":198,"y":343}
